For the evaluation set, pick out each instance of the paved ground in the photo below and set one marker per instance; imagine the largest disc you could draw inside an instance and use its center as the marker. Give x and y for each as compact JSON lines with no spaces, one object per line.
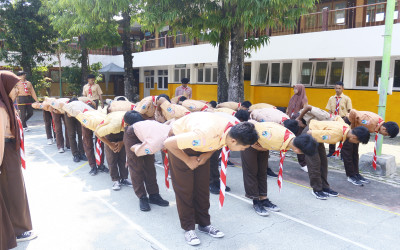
{"x":73,"y":210}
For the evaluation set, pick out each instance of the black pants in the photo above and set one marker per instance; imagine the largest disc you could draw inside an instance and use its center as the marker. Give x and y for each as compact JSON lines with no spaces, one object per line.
{"x":74,"y":135}
{"x":255,"y":165}
{"x":318,"y":169}
{"x":350,"y":158}
{"x":48,"y":123}
{"x":25,"y":108}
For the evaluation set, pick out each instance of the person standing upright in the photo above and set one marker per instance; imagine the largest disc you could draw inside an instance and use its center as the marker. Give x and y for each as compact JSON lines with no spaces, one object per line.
{"x":339,"y":104}
{"x":26,"y":95}
{"x":93,"y":91}
{"x":184,"y":89}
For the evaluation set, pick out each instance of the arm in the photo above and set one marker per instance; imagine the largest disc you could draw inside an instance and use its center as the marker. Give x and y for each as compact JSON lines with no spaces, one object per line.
{"x":111,"y":145}
{"x":258,"y":147}
{"x":172,"y":145}
{"x":204,"y":157}
{"x":3,"y":117}
{"x":101,"y":101}
{"x":33,"y":93}
{"x":305,"y":110}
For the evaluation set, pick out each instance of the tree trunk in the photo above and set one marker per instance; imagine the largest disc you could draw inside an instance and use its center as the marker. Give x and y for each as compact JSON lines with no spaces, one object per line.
{"x":236,"y":79}
{"x":223,"y":57}
{"x":26,"y":64}
{"x":84,"y":60}
{"x":131,"y":91}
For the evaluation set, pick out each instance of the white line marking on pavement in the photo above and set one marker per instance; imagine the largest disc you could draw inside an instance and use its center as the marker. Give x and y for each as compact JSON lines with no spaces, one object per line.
{"x":298,"y":221}
{"x":145,"y":235}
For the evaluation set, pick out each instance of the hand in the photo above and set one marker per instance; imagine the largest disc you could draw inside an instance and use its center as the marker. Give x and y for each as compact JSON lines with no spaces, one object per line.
{"x":309,"y":132}
{"x":118,"y":146}
{"x":202,"y":159}
{"x":192,"y":162}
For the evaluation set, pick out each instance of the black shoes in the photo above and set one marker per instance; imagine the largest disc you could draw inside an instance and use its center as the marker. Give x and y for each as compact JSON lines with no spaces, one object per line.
{"x":28,"y":235}
{"x":157,"y":200}
{"x":267,"y":204}
{"x":271,"y":173}
{"x":362,"y":179}
{"x":319,"y":195}
{"x":125,"y":182}
{"x":259,"y":208}
{"x":83,"y":157}
{"x":144,"y":204}
{"x":215,"y":187}
{"x":329,"y":155}
{"x":103,"y":169}
{"x":93,"y":171}
{"x":354,"y":180}
{"x":330,"y":192}
{"x":76,"y":158}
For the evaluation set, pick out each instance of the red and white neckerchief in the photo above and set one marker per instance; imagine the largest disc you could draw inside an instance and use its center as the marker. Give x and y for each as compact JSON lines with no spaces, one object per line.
{"x":283,"y":119}
{"x":166,"y":168}
{"x":133,"y":106}
{"x":282,"y":154}
{"x":337,"y":105}
{"x":99,"y":152}
{"x":224,"y":164}
{"x":90,"y":91}
{"x":22,"y":144}
{"x":26,"y":87}
{"x":153,"y":98}
{"x":337,"y":152}
{"x":204,"y":108}
{"x":239,"y":105}
{"x":376,"y":144}
{"x":233,"y":113}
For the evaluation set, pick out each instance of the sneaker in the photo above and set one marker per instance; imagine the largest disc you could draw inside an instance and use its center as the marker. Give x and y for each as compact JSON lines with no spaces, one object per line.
{"x":76,"y":158}
{"x":259,"y":208}
{"x":83,"y":157}
{"x":330,"y":192}
{"x":125,"y":182}
{"x":157,"y":200}
{"x":116,"y":186}
{"x":227,"y":189}
{"x":271,"y":173}
{"x":362,"y":179}
{"x":68,"y":148}
{"x":93,"y":171}
{"x":61,"y":150}
{"x":144,"y":204}
{"x":214,"y":188}
{"x":267,"y":204}
{"x":28,"y":235}
{"x":329,"y":155}
{"x":305,"y":169}
{"x":230,"y":164}
{"x":212,"y":231}
{"x":103,"y":169}
{"x":191,"y":238}
{"x":319,"y":195}
{"x":27,"y":129}
{"x":49,"y":141}
{"x":354,"y":180}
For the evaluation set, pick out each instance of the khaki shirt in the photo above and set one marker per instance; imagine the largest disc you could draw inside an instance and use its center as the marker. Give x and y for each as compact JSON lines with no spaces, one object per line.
{"x":171,"y":111}
{"x":330,"y":132}
{"x":113,"y":123}
{"x":193,"y":105}
{"x":152,"y":134}
{"x":96,"y":91}
{"x":21,"y":89}
{"x":175,"y":99}
{"x":230,"y":105}
{"x":344,"y":105}
{"x":367,"y":119}
{"x":147,"y":106}
{"x":201,"y":131}
{"x":5,"y":131}
{"x":260,"y":106}
{"x":91,"y":119}
{"x":318,"y":114}
{"x":225,"y":110}
{"x":272,"y":136}
{"x":269,"y":115}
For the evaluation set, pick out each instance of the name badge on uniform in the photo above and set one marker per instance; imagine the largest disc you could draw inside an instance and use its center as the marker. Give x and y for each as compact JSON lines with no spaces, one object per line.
{"x":365,"y":122}
{"x":326,"y":137}
{"x":84,"y":121}
{"x":266,"y":134}
{"x":196,"y":143}
{"x":169,"y":110}
{"x":144,"y":106}
{"x":147,"y":151}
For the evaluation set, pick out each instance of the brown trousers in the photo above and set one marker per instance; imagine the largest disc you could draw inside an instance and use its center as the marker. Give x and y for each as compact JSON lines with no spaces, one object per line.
{"x":12,"y":189}
{"x":74,"y":133}
{"x":318,"y":169}
{"x":7,"y":234}
{"x":142,"y":169}
{"x":59,"y":130}
{"x":48,"y":123}
{"x":88,"y":146}
{"x":116,"y":161}
{"x":191,"y":191}
{"x":26,"y":111}
{"x":350,"y":158}
{"x":214,"y":165}
{"x":255,"y":165}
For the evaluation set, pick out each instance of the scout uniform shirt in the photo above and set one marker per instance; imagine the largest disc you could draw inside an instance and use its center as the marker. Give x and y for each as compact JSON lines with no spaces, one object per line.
{"x":147,"y":106}
{"x":367,"y":119}
{"x":171,"y":111}
{"x":260,"y":106}
{"x":193,"y":105}
{"x":26,"y":89}
{"x":269,"y":115}
{"x":344,"y":105}
{"x":230,"y":105}
{"x":272,"y":136}
{"x":201,"y":131}
{"x":329,"y":132}
{"x":318,"y":114}
{"x":175,"y":99}
{"x":113,"y":123}
{"x":92,"y":91}
{"x":225,"y":110}
{"x":187,"y":92}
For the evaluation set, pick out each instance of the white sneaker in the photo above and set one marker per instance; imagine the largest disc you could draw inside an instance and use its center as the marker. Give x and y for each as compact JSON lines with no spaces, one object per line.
{"x":305,"y":169}
{"x":61,"y":150}
{"x":191,"y":238}
{"x":27,"y":129}
{"x":49,"y":141}
{"x":116,"y":186}
{"x":28,"y":235}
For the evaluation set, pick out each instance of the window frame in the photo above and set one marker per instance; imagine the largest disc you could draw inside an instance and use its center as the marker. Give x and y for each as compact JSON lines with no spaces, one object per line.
{"x":180,"y":76}
{"x":164,"y":77}
{"x":268,"y":77}
{"x":371,"y":74}
{"x":211,"y":68}
{"x":327,"y":73}
{"x":152,"y":84}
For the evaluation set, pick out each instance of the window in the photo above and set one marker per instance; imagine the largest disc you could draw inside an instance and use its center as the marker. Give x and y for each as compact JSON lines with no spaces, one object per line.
{"x":181,"y":38}
{"x":377,"y":74}
{"x":396,"y":78}
{"x":179,"y":74}
{"x":162,"y":79}
{"x":247,"y":71}
{"x":200,"y":75}
{"x":263,"y":73}
{"x":362,"y":78}
{"x":207,"y":75}
{"x":215,"y":75}
{"x":375,"y":13}
{"x":336,"y":73}
{"x":275,"y":73}
{"x":340,"y":15}
{"x":306,"y":72}
{"x":321,"y":69}
{"x":286,"y":72}
{"x":149,"y":79}
{"x":321,"y":73}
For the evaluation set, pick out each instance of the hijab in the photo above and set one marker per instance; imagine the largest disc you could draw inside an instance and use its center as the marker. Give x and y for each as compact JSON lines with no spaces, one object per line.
{"x":298,"y":100}
{"x":8,"y":80}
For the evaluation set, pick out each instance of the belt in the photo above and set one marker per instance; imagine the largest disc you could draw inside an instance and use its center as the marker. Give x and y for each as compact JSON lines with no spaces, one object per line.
{"x":9,"y":140}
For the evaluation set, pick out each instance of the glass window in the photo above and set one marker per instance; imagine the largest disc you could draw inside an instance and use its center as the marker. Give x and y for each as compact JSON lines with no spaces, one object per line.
{"x":200,"y":75}
{"x":275,"y":72}
{"x":378,"y":70}
{"x":340,"y":15}
{"x":166,"y":82}
{"x":335,"y":73}
{"x":320,"y":73}
{"x":362,"y":78}
{"x":176,"y":76}
{"x":286,"y":72}
{"x":160,"y":82}
{"x":262,"y":73}
{"x":160,"y":72}
{"x":306,"y":72}
{"x":188,"y":73}
{"x":215,"y":75}
{"x":396,"y":80}
{"x":247,"y":72}
{"x":183,"y":73}
{"x":208,"y":75}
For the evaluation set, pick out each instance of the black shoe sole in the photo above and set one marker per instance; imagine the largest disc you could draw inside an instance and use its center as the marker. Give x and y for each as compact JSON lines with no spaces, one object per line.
{"x":145,"y":210}
{"x":161,"y":205}
{"x":319,"y":197}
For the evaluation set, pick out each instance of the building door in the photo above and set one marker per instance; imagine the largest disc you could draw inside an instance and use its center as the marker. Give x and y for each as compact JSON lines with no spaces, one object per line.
{"x":148,"y":82}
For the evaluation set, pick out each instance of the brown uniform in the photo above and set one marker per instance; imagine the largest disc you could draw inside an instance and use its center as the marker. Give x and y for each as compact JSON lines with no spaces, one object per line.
{"x":93,"y":92}
{"x":26,"y":96}
{"x":74,"y":135}
{"x":59,"y":130}
{"x":116,"y":161}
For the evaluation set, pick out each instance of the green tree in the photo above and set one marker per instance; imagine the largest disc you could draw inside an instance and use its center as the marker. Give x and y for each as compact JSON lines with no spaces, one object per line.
{"x":27,"y":33}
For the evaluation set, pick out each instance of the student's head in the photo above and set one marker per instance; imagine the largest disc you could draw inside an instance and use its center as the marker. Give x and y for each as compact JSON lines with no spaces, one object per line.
{"x":21,"y":75}
{"x":181,"y":99}
{"x":73,"y":99}
{"x":91,"y":78}
{"x":282,"y":109}
{"x":339,"y":87}
{"x":213,"y":104}
{"x":245,"y":105}
{"x":121,"y":98}
{"x":241,"y":136}
{"x":184,"y":82}
{"x":389,"y":129}
{"x":292,"y":125}
{"x":242,"y":115}
{"x":305,"y":144}
{"x":132,"y":117}
{"x":163,"y":96}
{"x":302,"y":123}
{"x":359,"y":135}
